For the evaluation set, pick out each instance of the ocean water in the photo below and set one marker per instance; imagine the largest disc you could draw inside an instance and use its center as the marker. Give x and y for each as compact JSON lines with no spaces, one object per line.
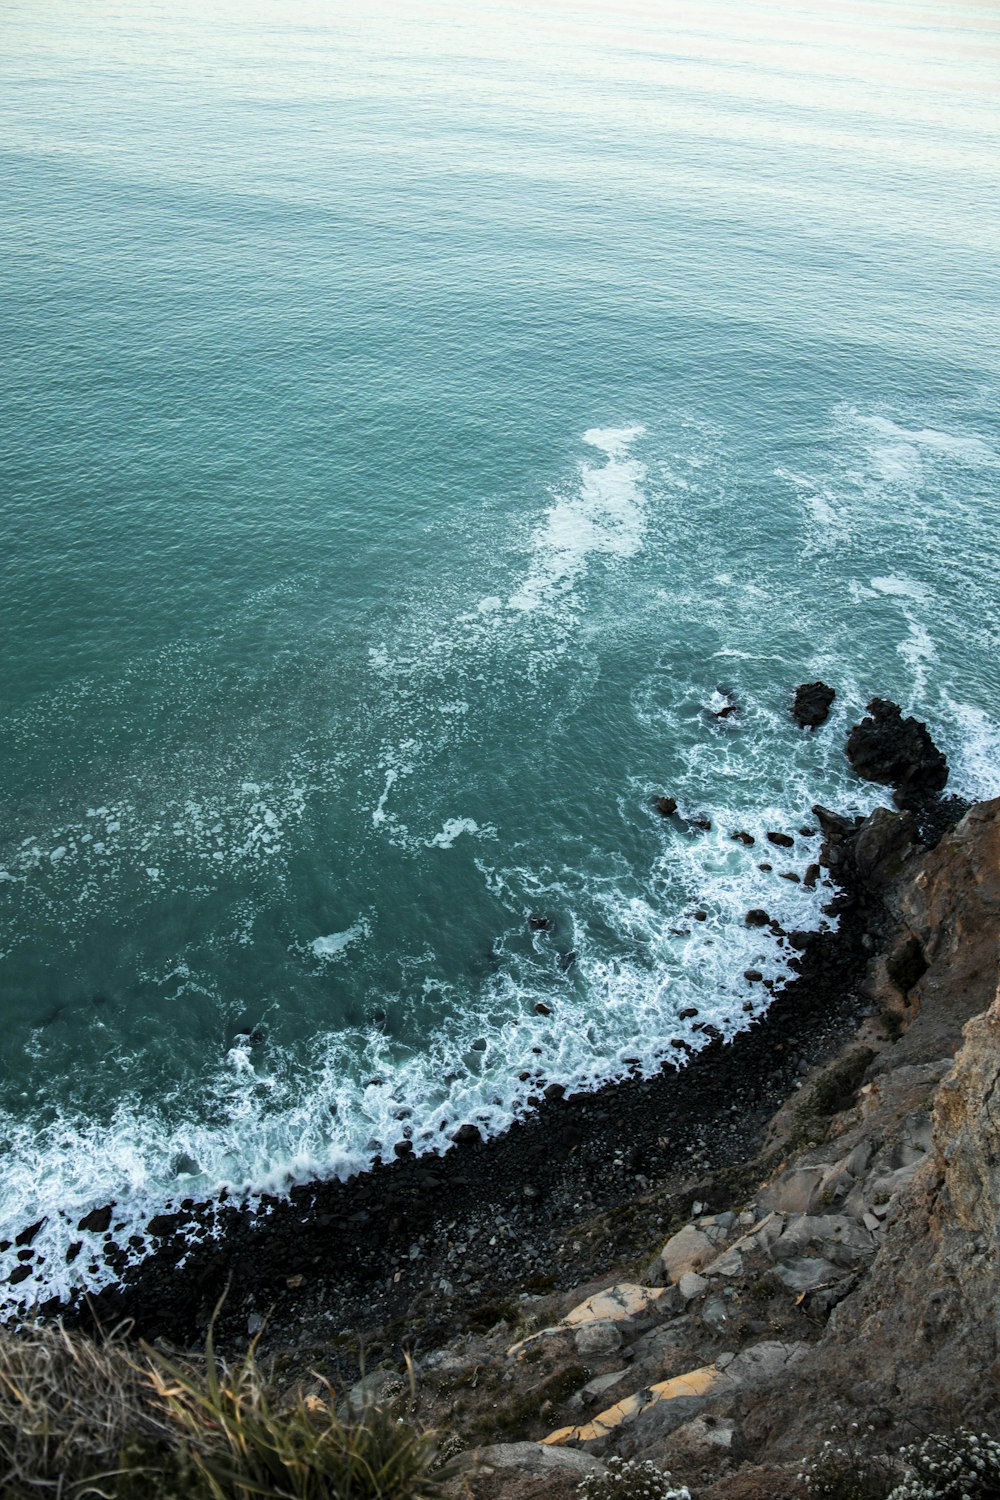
{"x":416,"y":420}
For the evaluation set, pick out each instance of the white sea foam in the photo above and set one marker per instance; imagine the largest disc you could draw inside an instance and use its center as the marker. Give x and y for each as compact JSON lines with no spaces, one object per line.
{"x":898,"y":455}
{"x":971,"y":739}
{"x":334,"y":946}
{"x":452,"y":829}
{"x":902,"y":588}
{"x":919,"y":652}
{"x":603,"y":516}
{"x":969,"y":449}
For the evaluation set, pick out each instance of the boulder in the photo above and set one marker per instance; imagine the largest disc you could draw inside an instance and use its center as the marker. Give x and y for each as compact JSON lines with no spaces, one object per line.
{"x":687,"y":1250}
{"x":691,"y":1285}
{"x":538,"y":1459}
{"x":666,"y":806}
{"x":27,"y":1235}
{"x":896,"y":752}
{"x":162,"y":1226}
{"x":97,"y":1221}
{"x":811,"y":706}
{"x":596,"y":1339}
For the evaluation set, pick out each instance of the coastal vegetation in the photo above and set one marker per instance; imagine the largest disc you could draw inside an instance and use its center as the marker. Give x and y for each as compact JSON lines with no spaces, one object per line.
{"x":84,"y":1418}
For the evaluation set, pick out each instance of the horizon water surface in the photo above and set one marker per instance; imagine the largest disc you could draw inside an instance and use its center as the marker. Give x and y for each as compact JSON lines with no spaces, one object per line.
{"x":413,"y":425}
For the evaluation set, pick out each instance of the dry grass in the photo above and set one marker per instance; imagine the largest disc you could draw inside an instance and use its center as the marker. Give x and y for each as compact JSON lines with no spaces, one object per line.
{"x":87,"y":1421}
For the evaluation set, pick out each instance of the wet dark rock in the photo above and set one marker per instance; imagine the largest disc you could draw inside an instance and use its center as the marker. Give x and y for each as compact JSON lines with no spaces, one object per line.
{"x":700,"y":822}
{"x":73,"y":1251}
{"x":403,"y":1148}
{"x":811,"y":706}
{"x":27,"y":1235}
{"x":567,"y":960}
{"x":789,"y":875}
{"x":687,"y":1013}
{"x":700,"y":916}
{"x":882,"y":845}
{"x":757,"y":917}
{"x":800,"y":940}
{"x":753,"y":975}
{"x":467,"y":1135}
{"x":765,"y":867}
{"x":729,"y":708}
{"x":161,"y":1226}
{"x":896,"y":752}
{"x":811,"y":876}
{"x":742,"y":837}
{"x":780,"y":840}
{"x":834,"y":827}
{"x":542,"y":1010}
{"x":666,"y":806}
{"x":20,"y":1274}
{"x":553,"y":1091}
{"x":540,"y":924}
{"x":97,"y":1221}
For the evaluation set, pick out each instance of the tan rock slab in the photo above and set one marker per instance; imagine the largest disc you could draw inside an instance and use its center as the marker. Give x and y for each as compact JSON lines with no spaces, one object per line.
{"x":695,"y":1383}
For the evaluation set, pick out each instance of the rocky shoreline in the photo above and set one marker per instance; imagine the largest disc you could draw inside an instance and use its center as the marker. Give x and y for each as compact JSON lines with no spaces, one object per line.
{"x":711,"y":1269}
{"x":407,"y":1255}
{"x":422,"y":1243}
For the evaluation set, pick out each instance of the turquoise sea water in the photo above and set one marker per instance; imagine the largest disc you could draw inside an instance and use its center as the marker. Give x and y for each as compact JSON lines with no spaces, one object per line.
{"x":409,"y":422}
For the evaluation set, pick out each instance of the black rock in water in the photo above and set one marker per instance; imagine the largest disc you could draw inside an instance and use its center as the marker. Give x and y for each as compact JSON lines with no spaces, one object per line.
{"x":97,"y":1221}
{"x":896,"y":752}
{"x":811,"y":707}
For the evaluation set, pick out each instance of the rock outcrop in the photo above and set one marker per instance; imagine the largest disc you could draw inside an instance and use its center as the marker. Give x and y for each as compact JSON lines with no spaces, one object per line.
{"x":897,"y":752}
{"x":811,"y":706}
